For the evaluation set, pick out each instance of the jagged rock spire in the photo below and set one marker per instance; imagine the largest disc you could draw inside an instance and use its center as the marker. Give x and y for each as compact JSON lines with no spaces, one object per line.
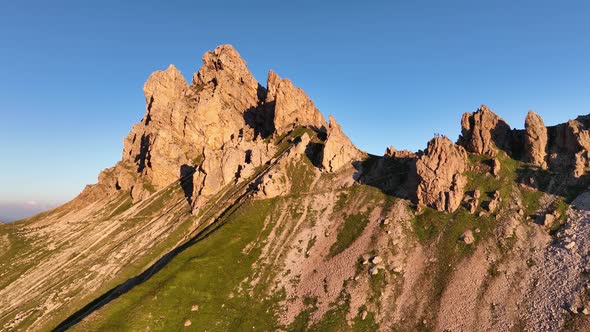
{"x":338,"y":149}
{"x":292,"y":107}
{"x":535,"y":140}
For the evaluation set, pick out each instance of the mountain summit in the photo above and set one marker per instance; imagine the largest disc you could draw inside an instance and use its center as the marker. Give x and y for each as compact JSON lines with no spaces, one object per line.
{"x":239,"y":207}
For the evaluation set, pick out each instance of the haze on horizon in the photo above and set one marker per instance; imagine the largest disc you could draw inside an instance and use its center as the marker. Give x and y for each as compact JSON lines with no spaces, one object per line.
{"x":392,"y":73}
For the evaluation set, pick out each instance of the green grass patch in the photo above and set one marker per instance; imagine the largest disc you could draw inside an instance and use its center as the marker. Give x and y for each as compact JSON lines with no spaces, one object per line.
{"x":206,"y":274}
{"x":442,"y":232}
{"x":341,"y":202}
{"x":353,"y":227}
{"x":123,"y":206}
{"x":301,"y":175}
{"x":149,"y":187}
{"x":367,"y":325}
{"x":335,"y":319}
{"x":377,"y":284}
{"x":156,"y":204}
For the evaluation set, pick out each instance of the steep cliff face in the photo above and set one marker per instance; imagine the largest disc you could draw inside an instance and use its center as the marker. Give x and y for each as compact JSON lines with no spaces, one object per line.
{"x":237,"y":207}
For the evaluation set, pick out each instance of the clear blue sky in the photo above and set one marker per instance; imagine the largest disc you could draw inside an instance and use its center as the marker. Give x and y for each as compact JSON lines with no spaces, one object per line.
{"x":391,"y":72}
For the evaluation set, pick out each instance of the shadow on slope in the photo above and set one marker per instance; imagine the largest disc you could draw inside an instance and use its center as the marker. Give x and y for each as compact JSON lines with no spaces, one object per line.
{"x":128,"y":285}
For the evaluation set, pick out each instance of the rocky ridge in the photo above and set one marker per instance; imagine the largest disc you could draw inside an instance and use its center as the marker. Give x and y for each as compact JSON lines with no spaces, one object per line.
{"x":223,"y":174}
{"x":213,"y":131}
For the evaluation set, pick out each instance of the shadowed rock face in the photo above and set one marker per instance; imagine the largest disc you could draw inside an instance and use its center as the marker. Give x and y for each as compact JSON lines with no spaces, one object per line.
{"x":568,"y":147}
{"x":441,"y":184}
{"x":483,"y":132}
{"x":535,"y":142}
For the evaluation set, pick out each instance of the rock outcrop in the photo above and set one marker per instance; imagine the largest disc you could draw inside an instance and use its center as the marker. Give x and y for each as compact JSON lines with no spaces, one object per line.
{"x":292,"y":107}
{"x":483,"y":132}
{"x":569,"y":144}
{"x":200,"y":127}
{"x":338,"y":149}
{"x":391,"y":152}
{"x":441,"y":184}
{"x":212,"y":130}
{"x":535,"y":140}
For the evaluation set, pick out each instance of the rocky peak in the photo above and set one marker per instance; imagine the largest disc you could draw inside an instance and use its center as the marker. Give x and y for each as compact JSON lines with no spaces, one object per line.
{"x":164,"y":87}
{"x":208,"y":131}
{"x":439,"y":170}
{"x":338,"y":149}
{"x":202,"y":127}
{"x":225,"y":76}
{"x":483,"y":132}
{"x":291,"y":106}
{"x":224,"y":66}
{"x":535,"y":140}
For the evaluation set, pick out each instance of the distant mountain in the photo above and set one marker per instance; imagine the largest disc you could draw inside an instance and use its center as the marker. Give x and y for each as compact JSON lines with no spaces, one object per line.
{"x":17,"y":211}
{"x":237,"y":206}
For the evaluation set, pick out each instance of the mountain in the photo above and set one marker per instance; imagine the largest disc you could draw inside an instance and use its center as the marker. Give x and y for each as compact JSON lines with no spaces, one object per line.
{"x":237,"y":206}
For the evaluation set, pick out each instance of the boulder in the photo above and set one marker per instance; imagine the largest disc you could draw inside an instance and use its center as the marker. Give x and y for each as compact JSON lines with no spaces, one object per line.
{"x":548,"y":219}
{"x":376,"y":260}
{"x":496,"y":168}
{"x":472,"y":205}
{"x":535,"y":142}
{"x":495,"y":202}
{"x":468,"y":237}
{"x":373,"y":271}
{"x":364,"y":314}
{"x":441,"y":183}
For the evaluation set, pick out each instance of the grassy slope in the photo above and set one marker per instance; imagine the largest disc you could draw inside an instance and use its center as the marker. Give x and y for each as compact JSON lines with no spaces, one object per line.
{"x":22,"y":248}
{"x":210,"y":272}
{"x":205,"y":275}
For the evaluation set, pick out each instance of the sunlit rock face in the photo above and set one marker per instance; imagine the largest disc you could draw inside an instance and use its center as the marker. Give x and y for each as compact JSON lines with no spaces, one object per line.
{"x":441,"y":183}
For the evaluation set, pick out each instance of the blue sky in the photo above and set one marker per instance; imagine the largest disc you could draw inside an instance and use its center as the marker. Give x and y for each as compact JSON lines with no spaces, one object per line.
{"x":391,"y":72}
